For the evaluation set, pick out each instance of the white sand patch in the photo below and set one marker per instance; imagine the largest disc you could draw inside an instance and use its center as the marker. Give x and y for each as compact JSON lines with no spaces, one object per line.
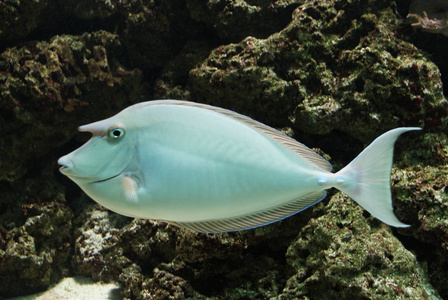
{"x":77,"y":288}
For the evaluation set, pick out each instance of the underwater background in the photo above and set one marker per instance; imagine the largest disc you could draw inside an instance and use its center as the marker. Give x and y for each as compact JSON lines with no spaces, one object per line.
{"x":333,"y":74}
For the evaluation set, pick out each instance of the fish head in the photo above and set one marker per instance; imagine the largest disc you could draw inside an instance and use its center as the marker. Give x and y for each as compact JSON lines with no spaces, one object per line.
{"x":105,"y":156}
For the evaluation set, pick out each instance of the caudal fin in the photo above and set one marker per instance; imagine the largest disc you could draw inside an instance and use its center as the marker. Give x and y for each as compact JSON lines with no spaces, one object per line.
{"x":367,"y":178}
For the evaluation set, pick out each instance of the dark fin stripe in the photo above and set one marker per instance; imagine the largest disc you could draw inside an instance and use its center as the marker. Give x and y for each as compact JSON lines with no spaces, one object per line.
{"x":255,"y":219}
{"x":299,"y":149}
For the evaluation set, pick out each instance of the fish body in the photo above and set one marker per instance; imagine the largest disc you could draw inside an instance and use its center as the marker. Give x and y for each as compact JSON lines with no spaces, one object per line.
{"x":209,"y":169}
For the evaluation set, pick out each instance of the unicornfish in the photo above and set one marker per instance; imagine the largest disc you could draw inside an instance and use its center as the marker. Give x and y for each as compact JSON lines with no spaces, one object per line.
{"x":210,"y":169}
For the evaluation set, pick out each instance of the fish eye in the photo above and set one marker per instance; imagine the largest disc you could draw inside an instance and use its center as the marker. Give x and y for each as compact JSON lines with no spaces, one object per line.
{"x":116,"y":132}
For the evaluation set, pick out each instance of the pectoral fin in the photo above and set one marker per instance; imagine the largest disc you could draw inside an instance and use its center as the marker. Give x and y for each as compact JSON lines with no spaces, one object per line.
{"x":130,"y":188}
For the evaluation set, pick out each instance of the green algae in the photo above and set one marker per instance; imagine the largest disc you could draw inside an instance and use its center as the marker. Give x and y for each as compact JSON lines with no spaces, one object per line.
{"x":20,"y":18}
{"x":235,"y":20}
{"x":42,"y":82}
{"x":38,"y":250}
{"x":325,"y":67}
{"x":420,"y":190}
{"x":340,"y":255}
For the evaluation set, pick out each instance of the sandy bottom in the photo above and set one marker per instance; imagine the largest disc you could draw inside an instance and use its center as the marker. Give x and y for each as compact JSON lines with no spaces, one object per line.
{"x":77,"y":288}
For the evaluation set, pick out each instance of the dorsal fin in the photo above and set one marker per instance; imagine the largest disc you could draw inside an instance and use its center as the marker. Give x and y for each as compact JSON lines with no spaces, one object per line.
{"x":299,"y":149}
{"x":256,"y":219}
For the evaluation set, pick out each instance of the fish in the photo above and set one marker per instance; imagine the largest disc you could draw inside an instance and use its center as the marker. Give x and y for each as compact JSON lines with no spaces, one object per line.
{"x":210,"y":169}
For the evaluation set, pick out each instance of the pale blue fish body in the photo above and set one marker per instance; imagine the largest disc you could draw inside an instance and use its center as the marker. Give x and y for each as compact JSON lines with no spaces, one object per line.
{"x":209,"y":169}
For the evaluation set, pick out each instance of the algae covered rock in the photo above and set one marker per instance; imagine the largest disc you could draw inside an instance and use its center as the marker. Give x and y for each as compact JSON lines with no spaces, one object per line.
{"x":333,"y":74}
{"x":34,"y":247}
{"x":154,"y":260}
{"x":340,"y":253}
{"x":235,"y":20}
{"x":44,"y":84}
{"x":107,"y":246}
{"x":156,"y":31}
{"x":19,"y":18}
{"x":420,"y":187}
{"x":342,"y":256}
{"x":329,"y":65}
{"x":44,"y":87}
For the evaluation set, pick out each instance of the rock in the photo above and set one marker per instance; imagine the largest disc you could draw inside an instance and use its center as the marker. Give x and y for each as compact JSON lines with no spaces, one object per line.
{"x":420,"y":187}
{"x":36,"y":253}
{"x":325,"y":67}
{"x":20,"y":18}
{"x":340,"y":255}
{"x":333,"y":74}
{"x":235,"y":20}
{"x":44,"y":85}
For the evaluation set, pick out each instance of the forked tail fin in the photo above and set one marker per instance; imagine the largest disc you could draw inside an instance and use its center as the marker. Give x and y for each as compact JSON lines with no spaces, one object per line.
{"x":367,"y":178}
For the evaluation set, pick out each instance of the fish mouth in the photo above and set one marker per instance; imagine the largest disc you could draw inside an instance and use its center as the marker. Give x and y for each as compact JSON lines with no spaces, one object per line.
{"x":67,"y":171}
{"x":63,"y":168}
{"x":67,"y":167}
{"x":109,"y":178}
{"x":119,"y":173}
{"x":65,"y":163}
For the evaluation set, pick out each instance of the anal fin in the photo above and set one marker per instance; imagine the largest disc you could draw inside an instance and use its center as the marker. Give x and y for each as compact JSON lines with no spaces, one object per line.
{"x":256,"y":219}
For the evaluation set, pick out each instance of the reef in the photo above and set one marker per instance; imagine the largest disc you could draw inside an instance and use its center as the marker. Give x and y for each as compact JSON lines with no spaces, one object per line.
{"x":333,"y":74}
{"x":333,"y":258}
{"x":319,"y":74}
{"x":35,"y":235}
{"x":43,"y":81}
